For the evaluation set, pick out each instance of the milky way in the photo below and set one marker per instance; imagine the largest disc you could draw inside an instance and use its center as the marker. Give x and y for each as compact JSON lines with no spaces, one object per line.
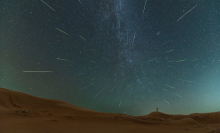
{"x":118,"y":56}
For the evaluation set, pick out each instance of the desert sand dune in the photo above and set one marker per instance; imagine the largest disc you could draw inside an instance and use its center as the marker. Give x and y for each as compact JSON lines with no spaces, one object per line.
{"x":23,"y":113}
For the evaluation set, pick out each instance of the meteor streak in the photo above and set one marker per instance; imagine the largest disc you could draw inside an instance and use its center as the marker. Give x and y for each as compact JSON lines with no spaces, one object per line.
{"x":61,"y":31}
{"x":119,"y":104}
{"x":185,"y":80}
{"x":120,"y":4}
{"x":62,"y":59}
{"x":80,"y":2}
{"x":48,"y":5}
{"x":144,"y":8}
{"x":82,"y":38}
{"x":93,"y":61}
{"x":195,"y":60}
{"x":100,"y":92}
{"x":152,"y":59}
{"x":166,"y":101}
{"x":169,"y":51}
{"x":186,"y":13}
{"x":37,"y":71}
{"x":181,"y":60}
{"x":85,"y":87}
{"x":169,"y":86}
{"x":133,"y":39}
{"x":178,"y":95}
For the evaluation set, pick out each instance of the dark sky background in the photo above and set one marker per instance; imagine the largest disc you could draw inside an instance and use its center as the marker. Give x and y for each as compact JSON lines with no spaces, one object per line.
{"x":118,"y":56}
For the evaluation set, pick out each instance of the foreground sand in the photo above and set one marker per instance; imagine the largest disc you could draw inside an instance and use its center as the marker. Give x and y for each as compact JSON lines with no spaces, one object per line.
{"x":23,"y":113}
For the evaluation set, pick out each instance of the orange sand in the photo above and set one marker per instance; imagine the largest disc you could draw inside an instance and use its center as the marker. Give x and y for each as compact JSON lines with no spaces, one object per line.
{"x":23,"y":113}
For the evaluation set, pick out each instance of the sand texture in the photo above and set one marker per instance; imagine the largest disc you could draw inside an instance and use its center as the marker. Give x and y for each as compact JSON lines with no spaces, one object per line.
{"x":23,"y":113}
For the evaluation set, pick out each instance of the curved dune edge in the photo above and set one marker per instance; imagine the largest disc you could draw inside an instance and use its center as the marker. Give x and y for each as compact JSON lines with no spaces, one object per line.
{"x":23,"y":113}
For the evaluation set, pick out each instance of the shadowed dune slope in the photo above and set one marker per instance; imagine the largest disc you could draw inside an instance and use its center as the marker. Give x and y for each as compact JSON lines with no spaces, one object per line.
{"x":14,"y":100}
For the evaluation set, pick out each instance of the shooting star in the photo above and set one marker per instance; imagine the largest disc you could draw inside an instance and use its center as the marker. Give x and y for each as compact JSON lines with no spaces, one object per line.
{"x":144,"y":8}
{"x":195,"y":60}
{"x":186,"y":13}
{"x":164,"y":43}
{"x":93,"y":61}
{"x":152,"y":59}
{"x":37,"y":71}
{"x":169,"y":51}
{"x":82,"y":38}
{"x":185,"y":80}
{"x":61,"y":31}
{"x":85,"y":87}
{"x":120,"y":4}
{"x":178,"y":95}
{"x":127,"y":38}
{"x":181,"y":60}
{"x":62,"y":59}
{"x":133,"y":39}
{"x":80,"y":2}
{"x":48,"y":5}
{"x":169,"y":86}
{"x":166,"y":101}
{"x":119,"y":104}
{"x":100,"y":92}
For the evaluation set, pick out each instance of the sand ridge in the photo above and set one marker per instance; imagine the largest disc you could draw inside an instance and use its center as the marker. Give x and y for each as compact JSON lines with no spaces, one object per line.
{"x":23,"y":113}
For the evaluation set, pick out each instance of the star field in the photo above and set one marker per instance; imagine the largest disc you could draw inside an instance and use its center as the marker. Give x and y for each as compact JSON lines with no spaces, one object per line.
{"x":118,"y":56}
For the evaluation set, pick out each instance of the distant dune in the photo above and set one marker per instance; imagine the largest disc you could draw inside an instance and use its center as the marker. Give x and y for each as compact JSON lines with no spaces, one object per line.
{"x":23,"y":113}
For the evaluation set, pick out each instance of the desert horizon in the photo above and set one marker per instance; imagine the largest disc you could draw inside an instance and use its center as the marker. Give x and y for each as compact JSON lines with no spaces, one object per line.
{"x":23,"y":113}
{"x":109,"y":66}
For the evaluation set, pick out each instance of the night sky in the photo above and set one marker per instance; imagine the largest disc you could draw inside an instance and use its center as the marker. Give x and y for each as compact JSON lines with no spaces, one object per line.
{"x":118,"y":56}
